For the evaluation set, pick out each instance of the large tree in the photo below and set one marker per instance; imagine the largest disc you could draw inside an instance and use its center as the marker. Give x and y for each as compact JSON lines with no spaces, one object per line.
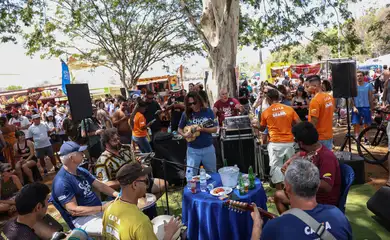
{"x":126,"y":36}
{"x":266,"y":22}
{"x":14,"y":14}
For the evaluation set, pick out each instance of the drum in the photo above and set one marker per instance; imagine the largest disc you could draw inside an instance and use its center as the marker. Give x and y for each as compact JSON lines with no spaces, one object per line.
{"x":148,"y":205}
{"x":158,"y":227}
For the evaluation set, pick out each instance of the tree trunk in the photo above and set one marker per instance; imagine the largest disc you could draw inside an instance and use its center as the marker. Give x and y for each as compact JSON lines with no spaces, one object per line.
{"x":219,"y":23}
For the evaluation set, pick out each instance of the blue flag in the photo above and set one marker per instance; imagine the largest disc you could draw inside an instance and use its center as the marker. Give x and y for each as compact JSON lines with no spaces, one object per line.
{"x":65,"y":76}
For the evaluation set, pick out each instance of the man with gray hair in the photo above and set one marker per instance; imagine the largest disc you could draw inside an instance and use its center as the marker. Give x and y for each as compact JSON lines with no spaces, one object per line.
{"x":72,"y":190}
{"x":302,"y":180}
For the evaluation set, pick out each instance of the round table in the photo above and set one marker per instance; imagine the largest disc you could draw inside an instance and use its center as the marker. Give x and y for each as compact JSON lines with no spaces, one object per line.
{"x":207,"y":218}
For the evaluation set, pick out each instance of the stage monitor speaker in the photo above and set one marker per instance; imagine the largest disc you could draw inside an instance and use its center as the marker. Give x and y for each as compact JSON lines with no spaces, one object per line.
{"x":344,"y":79}
{"x":244,"y":158}
{"x":379,"y":204}
{"x":123,"y":92}
{"x":79,"y":101}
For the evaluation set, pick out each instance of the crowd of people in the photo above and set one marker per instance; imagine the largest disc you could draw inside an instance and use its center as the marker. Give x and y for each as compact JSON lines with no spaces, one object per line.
{"x":285,"y":116}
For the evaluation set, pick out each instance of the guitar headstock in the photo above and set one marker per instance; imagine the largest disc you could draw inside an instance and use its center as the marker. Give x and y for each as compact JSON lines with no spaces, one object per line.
{"x":208,"y":124}
{"x":237,"y":206}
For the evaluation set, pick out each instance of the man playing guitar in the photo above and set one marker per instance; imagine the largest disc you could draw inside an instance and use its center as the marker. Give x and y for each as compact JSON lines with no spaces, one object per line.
{"x":202,"y":148}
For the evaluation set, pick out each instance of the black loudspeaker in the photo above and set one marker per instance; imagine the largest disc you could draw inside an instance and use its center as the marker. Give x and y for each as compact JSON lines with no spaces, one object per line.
{"x":240,"y":152}
{"x":357,"y":164}
{"x":123,"y":92}
{"x":379,"y":204}
{"x":79,"y":101}
{"x":344,"y":79}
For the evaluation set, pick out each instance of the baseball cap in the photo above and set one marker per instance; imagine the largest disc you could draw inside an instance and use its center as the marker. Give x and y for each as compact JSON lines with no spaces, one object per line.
{"x":70,"y":147}
{"x":35,"y":116}
{"x":129,"y":172}
{"x":49,"y":114}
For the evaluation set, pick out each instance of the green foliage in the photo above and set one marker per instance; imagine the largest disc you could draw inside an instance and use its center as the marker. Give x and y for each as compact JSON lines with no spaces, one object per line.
{"x":362,"y":38}
{"x":13,"y":88}
{"x":126,"y":36}
{"x":17,"y":13}
{"x":279,"y":23}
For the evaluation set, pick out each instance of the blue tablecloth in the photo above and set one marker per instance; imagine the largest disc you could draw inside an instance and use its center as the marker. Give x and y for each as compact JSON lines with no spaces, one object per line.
{"x":207,"y":219}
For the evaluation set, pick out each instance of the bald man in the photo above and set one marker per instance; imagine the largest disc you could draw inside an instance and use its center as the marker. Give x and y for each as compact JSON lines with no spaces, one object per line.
{"x":226,"y":106}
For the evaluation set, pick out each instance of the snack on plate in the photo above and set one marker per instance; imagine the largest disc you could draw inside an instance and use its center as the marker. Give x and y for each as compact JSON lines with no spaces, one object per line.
{"x":219,"y":190}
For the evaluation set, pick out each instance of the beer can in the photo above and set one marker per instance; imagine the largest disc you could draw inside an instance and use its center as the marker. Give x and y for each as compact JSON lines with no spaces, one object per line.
{"x":193,"y":186}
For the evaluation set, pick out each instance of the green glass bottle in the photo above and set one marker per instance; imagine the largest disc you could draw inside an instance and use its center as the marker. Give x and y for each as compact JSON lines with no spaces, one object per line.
{"x":241,"y":185}
{"x":251,"y":178}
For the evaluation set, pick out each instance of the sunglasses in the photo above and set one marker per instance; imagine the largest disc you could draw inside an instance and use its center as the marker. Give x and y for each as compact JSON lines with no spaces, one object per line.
{"x":192,"y":103}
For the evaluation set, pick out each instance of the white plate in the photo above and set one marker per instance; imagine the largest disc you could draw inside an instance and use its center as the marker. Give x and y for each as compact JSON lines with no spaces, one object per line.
{"x":226,"y":191}
{"x":197,"y":177}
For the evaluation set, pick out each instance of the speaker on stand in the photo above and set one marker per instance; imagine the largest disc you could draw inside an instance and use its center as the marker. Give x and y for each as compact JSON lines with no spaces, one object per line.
{"x":379,"y":205}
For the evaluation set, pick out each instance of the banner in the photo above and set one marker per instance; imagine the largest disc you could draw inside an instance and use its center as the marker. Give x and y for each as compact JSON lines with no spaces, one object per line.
{"x":65,"y":76}
{"x":305,"y":69}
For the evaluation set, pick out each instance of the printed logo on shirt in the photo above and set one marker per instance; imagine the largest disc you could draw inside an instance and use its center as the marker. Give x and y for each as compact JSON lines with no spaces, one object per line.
{"x":327,"y":175}
{"x":279,"y":114}
{"x":112,"y":231}
{"x":231,"y":103}
{"x":227,"y":111}
{"x":60,"y":198}
{"x":309,"y":231}
{"x":86,"y":187}
{"x":197,"y":121}
{"x":329,"y":104}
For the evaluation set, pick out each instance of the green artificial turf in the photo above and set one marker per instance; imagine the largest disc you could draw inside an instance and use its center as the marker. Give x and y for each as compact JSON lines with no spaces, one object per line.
{"x":364,"y":227}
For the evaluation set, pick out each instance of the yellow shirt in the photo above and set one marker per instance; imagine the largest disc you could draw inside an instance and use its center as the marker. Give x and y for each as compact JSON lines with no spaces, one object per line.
{"x":124,"y":221}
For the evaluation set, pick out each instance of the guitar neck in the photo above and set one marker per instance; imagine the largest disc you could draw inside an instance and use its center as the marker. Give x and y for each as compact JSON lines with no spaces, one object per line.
{"x":262,"y":212}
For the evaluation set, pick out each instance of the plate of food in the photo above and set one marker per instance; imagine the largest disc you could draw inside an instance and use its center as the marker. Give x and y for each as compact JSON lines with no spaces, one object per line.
{"x":220,"y":191}
{"x":197,"y":178}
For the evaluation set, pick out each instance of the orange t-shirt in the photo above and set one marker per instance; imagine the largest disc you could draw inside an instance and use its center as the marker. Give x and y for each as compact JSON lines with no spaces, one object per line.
{"x":139,"y":122}
{"x":322,"y":107}
{"x":279,"y":119}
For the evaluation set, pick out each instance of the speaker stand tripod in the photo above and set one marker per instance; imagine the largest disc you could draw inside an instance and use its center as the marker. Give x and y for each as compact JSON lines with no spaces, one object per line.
{"x":349,"y":137}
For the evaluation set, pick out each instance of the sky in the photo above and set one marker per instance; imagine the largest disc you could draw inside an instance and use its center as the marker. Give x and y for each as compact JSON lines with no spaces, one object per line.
{"x":18,"y":69}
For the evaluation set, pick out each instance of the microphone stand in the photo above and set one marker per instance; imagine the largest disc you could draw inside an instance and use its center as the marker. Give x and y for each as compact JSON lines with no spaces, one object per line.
{"x":164,"y":162}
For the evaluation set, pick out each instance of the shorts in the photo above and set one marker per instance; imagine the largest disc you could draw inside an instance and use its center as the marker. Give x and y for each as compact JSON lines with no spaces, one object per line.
{"x":43,"y":152}
{"x":362,"y":117}
{"x":278,"y":154}
{"x":327,"y":143}
{"x":92,"y":224}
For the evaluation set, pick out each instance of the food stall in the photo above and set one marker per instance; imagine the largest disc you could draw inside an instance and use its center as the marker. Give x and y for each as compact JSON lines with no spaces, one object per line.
{"x":98,"y":93}
{"x":32,"y":96}
{"x":160,"y":85}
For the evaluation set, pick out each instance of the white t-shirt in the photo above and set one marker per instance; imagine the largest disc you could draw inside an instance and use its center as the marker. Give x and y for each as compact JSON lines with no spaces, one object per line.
{"x":59,"y":121}
{"x":22,"y":121}
{"x":39,"y":135}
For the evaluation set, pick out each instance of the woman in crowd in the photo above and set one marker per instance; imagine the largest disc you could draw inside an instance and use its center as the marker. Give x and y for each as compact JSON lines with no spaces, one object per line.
{"x":301,"y":103}
{"x":51,"y":123}
{"x":26,"y":159}
{"x":9,"y":186}
{"x":102,"y":117}
{"x":201,"y":148}
{"x":8,"y":131}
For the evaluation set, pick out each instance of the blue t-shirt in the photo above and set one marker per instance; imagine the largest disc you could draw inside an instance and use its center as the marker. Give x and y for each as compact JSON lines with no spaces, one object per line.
{"x":362,"y":98}
{"x":290,"y":227}
{"x":197,"y":118}
{"x":66,"y":186}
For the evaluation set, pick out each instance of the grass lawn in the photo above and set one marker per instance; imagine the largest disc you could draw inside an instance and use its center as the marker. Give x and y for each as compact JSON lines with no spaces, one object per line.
{"x":363,"y":225}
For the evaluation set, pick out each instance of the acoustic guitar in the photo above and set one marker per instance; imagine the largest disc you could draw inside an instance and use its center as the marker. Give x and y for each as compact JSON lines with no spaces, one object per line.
{"x":240,"y":207}
{"x":193,"y":129}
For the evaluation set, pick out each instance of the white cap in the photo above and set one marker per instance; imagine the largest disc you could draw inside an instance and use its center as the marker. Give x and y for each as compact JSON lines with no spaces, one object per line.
{"x":49,"y":114}
{"x":36,"y":116}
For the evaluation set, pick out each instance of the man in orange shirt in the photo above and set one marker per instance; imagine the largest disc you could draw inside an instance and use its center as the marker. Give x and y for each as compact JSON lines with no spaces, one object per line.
{"x":279,"y":119}
{"x":321,"y":111}
{"x":139,"y":127}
